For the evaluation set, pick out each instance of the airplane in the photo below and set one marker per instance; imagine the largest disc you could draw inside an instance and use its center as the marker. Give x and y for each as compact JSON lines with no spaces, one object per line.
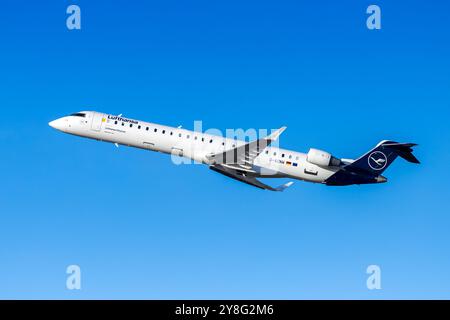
{"x":240,"y":160}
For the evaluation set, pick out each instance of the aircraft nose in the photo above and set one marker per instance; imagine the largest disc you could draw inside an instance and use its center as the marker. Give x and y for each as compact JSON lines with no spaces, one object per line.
{"x":57,"y":124}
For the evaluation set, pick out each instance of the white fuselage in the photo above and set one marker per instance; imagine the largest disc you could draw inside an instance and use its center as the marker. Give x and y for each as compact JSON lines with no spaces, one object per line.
{"x":273,"y":162}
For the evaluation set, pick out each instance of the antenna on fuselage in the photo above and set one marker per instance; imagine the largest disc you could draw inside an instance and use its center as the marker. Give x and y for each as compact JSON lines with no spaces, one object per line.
{"x":179,"y":127}
{"x":119,"y":115}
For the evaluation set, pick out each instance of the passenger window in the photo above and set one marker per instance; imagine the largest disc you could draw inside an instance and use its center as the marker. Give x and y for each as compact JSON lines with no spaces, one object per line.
{"x":179,"y":135}
{"x":210,"y":141}
{"x":164,"y":131}
{"x":115,"y":122}
{"x":123,"y":124}
{"x":171,"y":133}
{"x":282,"y":155}
{"x":146,"y":128}
{"x":131,"y":125}
{"x":187,"y":137}
{"x":155,"y":130}
{"x":139,"y":127}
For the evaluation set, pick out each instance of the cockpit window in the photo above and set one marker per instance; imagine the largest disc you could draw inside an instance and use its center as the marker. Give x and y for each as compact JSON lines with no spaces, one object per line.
{"x":78,"y":114}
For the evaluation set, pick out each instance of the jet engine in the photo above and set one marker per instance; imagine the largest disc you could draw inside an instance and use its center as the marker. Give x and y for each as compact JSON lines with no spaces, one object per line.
{"x":322,"y":158}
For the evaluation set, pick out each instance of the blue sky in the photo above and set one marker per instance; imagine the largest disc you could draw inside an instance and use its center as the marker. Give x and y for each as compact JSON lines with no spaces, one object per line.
{"x":141,"y":227}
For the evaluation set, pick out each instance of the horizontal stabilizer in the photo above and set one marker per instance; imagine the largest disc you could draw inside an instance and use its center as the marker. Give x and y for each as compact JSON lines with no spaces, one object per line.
{"x":404,"y":150}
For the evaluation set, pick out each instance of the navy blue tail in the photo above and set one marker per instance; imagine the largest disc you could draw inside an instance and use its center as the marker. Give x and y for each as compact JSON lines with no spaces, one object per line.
{"x":378,"y":159}
{"x":369,"y":167}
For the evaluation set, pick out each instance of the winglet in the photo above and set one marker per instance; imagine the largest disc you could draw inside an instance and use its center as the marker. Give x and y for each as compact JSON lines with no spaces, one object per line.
{"x":274,"y":135}
{"x":284,"y":186}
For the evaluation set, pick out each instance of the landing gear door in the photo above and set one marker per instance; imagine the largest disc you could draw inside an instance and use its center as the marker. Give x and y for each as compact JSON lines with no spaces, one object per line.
{"x":97,"y":120}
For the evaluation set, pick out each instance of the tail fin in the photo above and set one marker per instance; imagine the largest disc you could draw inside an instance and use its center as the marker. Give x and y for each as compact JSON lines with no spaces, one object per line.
{"x":378,"y":159}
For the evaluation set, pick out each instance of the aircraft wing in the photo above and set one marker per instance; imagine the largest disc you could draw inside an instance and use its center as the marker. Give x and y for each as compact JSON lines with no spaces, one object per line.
{"x":245,"y":154}
{"x":244,"y":177}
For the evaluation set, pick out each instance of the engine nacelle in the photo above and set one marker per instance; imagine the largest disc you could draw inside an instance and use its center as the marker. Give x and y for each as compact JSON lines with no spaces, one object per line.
{"x":322,"y":158}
